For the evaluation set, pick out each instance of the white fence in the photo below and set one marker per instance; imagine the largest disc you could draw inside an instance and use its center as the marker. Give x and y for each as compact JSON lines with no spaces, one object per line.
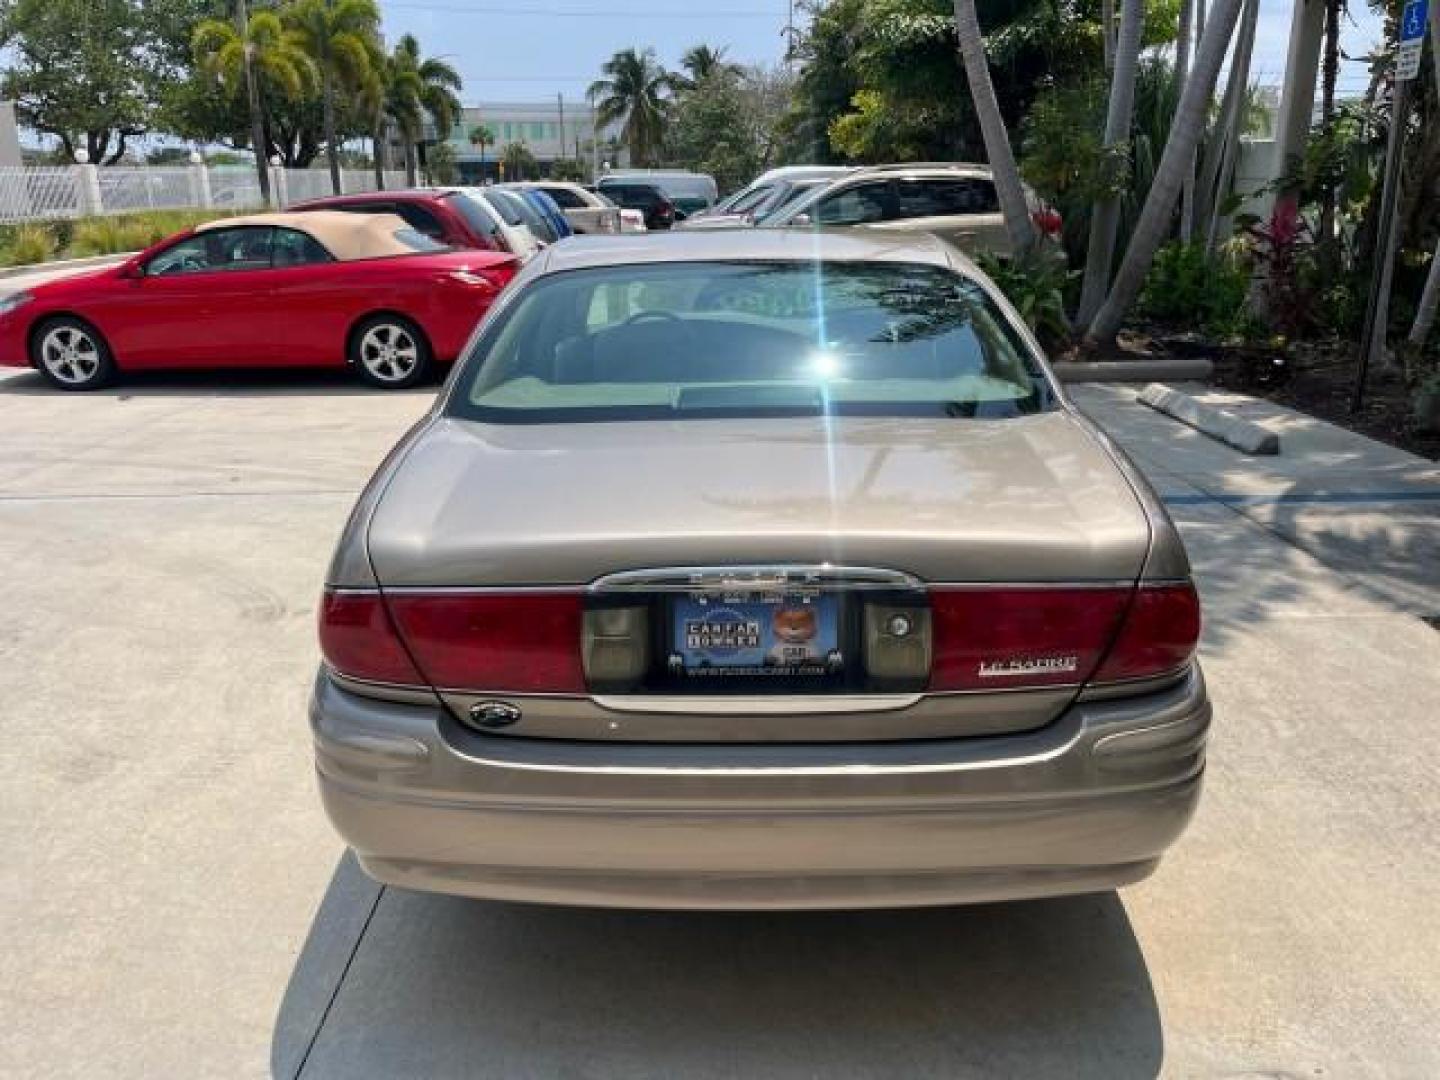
{"x":32,"y":193}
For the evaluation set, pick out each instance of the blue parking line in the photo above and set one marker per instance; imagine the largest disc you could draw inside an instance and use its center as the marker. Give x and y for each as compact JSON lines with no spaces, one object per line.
{"x":1331,"y":497}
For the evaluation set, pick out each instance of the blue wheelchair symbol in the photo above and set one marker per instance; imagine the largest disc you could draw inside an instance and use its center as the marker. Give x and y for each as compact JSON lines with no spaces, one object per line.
{"x":1412,"y":22}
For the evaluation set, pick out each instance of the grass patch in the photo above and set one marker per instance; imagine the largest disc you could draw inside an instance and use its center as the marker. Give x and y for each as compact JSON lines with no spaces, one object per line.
{"x":109,"y":234}
{"x":28,"y":244}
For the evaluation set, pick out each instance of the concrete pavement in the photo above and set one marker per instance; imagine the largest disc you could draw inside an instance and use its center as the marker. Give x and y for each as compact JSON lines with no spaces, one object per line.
{"x":174,"y":904}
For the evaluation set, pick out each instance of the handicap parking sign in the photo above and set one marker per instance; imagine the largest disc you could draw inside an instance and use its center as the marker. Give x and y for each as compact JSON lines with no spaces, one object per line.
{"x":1412,"y":38}
{"x":1412,"y":21}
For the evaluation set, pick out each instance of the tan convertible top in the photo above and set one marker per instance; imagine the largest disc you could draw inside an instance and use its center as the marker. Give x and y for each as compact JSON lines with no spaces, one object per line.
{"x":346,"y":236}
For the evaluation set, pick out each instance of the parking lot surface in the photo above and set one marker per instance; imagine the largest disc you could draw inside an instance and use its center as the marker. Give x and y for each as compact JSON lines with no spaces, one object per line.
{"x":175,"y":905}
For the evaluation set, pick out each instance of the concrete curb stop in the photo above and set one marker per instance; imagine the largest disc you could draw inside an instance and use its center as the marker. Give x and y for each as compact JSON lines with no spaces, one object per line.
{"x":1182,"y":369}
{"x":1244,"y":435}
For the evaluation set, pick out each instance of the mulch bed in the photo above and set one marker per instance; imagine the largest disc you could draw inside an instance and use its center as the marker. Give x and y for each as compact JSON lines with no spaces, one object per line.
{"x":1317,"y":379}
{"x":1320,"y":382}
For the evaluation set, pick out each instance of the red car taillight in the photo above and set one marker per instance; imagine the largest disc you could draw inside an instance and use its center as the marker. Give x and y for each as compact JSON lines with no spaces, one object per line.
{"x":1159,"y":635}
{"x":1008,"y":637}
{"x":521,"y":642}
{"x":358,"y":639}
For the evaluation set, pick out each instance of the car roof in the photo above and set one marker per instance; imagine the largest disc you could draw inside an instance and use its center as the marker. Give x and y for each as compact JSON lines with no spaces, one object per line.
{"x":751,"y":245}
{"x":346,"y":236}
{"x":416,"y":194}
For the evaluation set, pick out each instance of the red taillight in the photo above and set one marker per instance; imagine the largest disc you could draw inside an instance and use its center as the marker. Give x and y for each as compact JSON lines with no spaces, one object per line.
{"x":1048,"y":221}
{"x":1007,"y":637}
{"x":358,"y":639}
{"x":666,"y":209}
{"x":1159,"y":635}
{"x":521,"y":642}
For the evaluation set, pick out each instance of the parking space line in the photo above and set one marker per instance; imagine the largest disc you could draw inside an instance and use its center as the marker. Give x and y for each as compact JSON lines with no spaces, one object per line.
{"x":1293,"y":498}
{"x":339,"y":984}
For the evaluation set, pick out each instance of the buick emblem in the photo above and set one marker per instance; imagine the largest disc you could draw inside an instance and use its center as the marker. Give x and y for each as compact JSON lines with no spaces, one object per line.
{"x":493,"y":714}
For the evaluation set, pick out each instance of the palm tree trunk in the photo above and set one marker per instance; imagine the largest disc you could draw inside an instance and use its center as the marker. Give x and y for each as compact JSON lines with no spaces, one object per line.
{"x":992,"y":129}
{"x":1220,"y":154}
{"x":1329,"y":74}
{"x":409,"y":161}
{"x":1105,"y":218}
{"x":1107,"y":36}
{"x":1159,"y":209}
{"x":327,"y":89}
{"x":1430,"y":295}
{"x":377,"y":152}
{"x":1187,"y":200}
{"x":257,"y":114}
{"x":1429,"y":301}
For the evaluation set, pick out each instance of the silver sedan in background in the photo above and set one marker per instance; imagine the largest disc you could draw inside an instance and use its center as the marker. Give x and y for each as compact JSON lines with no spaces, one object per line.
{"x":758,"y":569}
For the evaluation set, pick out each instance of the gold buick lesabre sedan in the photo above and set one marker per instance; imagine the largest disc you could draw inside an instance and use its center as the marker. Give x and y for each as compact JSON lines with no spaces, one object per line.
{"x":758,"y":569}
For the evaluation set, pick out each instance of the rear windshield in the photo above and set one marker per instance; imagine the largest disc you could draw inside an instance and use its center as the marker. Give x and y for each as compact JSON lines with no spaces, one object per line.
{"x":692,"y":340}
{"x":475,"y":215}
{"x":505,"y":207}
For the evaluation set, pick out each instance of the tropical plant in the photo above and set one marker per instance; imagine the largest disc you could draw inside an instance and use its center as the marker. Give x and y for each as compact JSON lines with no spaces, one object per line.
{"x":481,"y":136}
{"x":1035,"y":282}
{"x":992,"y":128}
{"x":261,"y":55}
{"x":1155,"y":217}
{"x":635,"y":92}
{"x":342,"y":39}
{"x":435,"y":93}
{"x":702,"y":61}
{"x":1189,"y":287}
{"x":518,"y":163}
{"x":440,"y":163}
{"x":1284,"y":250}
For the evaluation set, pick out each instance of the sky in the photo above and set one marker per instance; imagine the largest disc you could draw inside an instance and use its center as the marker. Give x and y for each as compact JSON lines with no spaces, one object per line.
{"x":528,"y":50}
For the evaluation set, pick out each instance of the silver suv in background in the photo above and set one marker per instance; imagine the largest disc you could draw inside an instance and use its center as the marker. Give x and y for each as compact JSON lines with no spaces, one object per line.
{"x":957,"y":202}
{"x":767,"y":195}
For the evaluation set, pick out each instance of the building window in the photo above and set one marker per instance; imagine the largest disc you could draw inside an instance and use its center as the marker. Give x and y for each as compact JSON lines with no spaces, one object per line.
{"x":537,"y":131}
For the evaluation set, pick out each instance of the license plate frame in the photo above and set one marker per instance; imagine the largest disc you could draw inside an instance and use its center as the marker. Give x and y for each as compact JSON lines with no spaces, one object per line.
{"x":753,"y":636}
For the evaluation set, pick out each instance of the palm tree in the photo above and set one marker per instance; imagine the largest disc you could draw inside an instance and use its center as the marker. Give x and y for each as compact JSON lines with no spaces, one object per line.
{"x":636,"y":92}
{"x":482,"y":135}
{"x":992,"y":128}
{"x":342,"y":38}
{"x":1105,"y":218}
{"x":1224,"y":144}
{"x":1155,"y":217}
{"x":253,"y":52}
{"x":391,"y":99}
{"x":518,"y":162}
{"x":703,"y":61}
{"x":440,"y":86}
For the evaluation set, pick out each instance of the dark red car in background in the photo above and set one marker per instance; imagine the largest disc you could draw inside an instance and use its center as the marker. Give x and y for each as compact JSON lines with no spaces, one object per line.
{"x":321,"y":289}
{"x":447,"y":216}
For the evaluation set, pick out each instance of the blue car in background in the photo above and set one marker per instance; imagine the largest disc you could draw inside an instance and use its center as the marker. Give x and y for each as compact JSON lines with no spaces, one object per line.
{"x":551,"y":225}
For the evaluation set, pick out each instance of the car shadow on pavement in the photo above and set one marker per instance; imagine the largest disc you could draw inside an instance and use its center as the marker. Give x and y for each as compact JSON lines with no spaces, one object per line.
{"x":442,"y":987}
{"x":231,"y":382}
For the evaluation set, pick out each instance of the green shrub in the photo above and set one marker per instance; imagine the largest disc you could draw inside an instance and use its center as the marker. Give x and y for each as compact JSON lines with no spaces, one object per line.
{"x":1187,"y":287}
{"x":30,"y":243}
{"x":1035,"y":283}
{"x":112,"y":235}
{"x":99,"y":236}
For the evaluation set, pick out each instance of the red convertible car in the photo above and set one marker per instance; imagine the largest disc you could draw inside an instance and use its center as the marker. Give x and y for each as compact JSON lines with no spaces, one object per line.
{"x":272,"y":290}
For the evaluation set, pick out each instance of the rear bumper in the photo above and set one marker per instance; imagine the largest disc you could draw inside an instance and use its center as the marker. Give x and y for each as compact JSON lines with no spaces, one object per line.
{"x":1088,"y":803}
